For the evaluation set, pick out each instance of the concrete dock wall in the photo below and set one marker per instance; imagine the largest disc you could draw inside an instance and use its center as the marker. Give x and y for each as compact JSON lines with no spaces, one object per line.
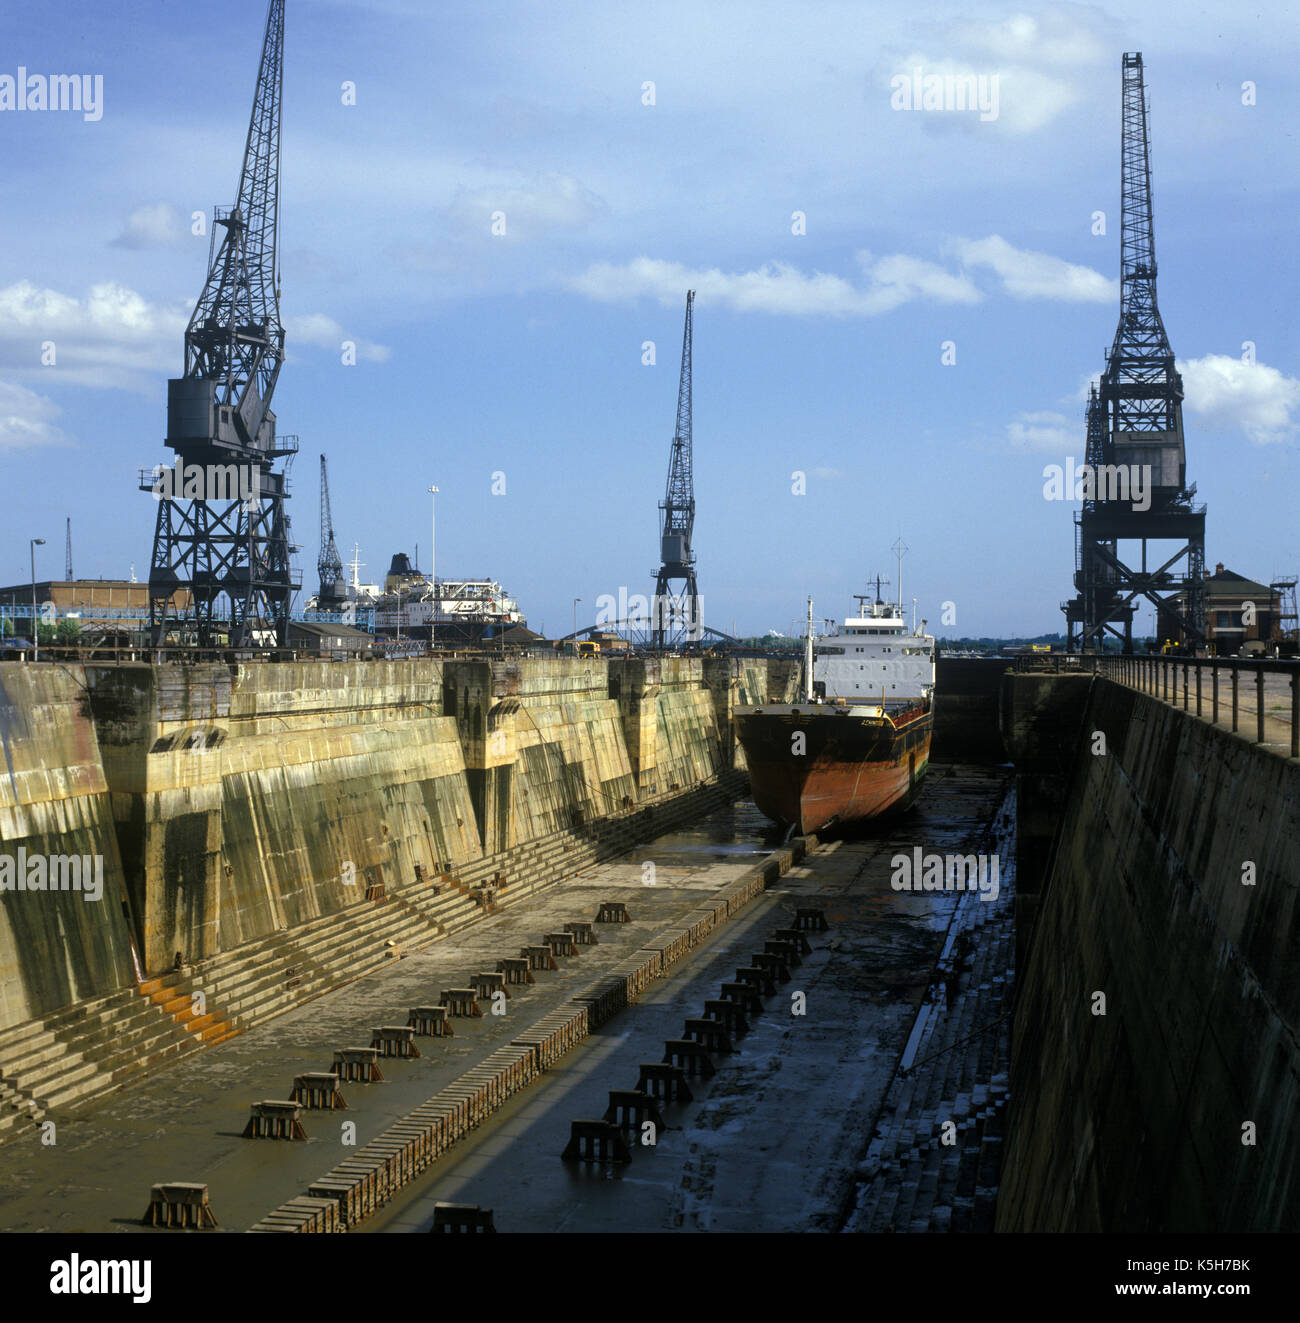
{"x":253,"y":798}
{"x":234,"y":802}
{"x":55,"y":946}
{"x":1173,"y":894}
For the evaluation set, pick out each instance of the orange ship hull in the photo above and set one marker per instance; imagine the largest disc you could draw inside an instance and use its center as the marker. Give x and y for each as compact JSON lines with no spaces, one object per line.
{"x":813,"y":767}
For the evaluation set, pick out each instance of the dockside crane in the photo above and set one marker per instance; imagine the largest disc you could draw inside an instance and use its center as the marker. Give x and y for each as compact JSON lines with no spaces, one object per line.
{"x":333,"y":594}
{"x":676,"y":616}
{"x":227,"y":549}
{"x":1135,"y":431}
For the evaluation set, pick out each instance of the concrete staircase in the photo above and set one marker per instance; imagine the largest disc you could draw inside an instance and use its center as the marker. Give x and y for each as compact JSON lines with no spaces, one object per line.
{"x":63,"y":1060}
{"x":911,"y":1180}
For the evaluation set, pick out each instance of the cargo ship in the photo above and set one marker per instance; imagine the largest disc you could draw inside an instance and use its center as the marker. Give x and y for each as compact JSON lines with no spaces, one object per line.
{"x":858,"y":745}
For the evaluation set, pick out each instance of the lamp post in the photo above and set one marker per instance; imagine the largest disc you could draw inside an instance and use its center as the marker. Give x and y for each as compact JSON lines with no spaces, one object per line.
{"x":433,"y":563}
{"x":36,"y":631}
{"x":576,"y":600}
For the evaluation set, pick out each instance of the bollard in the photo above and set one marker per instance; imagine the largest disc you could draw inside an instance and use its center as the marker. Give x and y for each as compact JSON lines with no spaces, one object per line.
{"x":461,"y":1001}
{"x":667,"y":1083}
{"x":712,"y":1033}
{"x":516,"y":971}
{"x":757,"y":978}
{"x":318,"y":1089}
{"x":613,"y":911}
{"x":468,"y":1218}
{"x":274,"y":1120}
{"x":810,"y":918}
{"x":539,"y":957}
{"x":795,"y":936}
{"x":596,"y":1141}
{"x":693,"y":1057}
{"x":179,"y":1204}
{"x":787,"y":950}
{"x":731,"y":1014}
{"x":745,"y":994}
{"x":562,"y":944}
{"x":431,"y":1021}
{"x":486,"y":984}
{"x":358,"y":1063}
{"x":630,"y":1109}
{"x":774,"y":965}
{"x":583,"y":932}
{"x":394,"y":1040}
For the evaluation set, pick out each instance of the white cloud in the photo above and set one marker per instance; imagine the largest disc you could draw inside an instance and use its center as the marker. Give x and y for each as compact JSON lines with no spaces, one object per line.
{"x":888,"y":282}
{"x":1028,"y":62}
{"x":780,"y":288}
{"x":115,"y":338}
{"x":553,"y":202}
{"x":1046,"y":38}
{"x":1235,"y":395}
{"x":155,"y":226}
{"x":112,"y":337}
{"x":1030,"y":275}
{"x":27,"y":419}
{"x":1044,"y":430}
{"x":315,"y":328}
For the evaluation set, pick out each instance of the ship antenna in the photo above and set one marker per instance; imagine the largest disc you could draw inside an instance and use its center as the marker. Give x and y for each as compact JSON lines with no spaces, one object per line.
{"x":901,"y":548}
{"x":808,"y":657}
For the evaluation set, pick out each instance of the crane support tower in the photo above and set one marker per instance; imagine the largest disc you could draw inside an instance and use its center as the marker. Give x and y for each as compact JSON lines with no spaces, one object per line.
{"x":222,"y":537}
{"x":676,"y":615}
{"x":1138,"y":493}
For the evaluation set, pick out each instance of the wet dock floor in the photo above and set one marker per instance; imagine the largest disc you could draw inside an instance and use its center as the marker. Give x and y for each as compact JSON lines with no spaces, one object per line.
{"x":769,"y":1143}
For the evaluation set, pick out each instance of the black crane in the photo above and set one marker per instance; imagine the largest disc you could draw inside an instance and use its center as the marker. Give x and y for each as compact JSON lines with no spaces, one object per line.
{"x":676,"y":616}
{"x":1135,"y":431}
{"x":333,"y":587}
{"x":223,"y":532}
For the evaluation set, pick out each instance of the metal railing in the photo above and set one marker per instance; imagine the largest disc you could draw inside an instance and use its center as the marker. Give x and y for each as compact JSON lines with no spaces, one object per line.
{"x":1216,"y":687}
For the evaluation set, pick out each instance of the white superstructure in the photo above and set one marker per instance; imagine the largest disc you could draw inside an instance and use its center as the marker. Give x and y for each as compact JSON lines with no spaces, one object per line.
{"x":874,"y":655}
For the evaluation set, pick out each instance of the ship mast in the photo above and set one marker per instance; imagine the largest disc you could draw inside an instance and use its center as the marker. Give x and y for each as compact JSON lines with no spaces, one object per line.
{"x":901,"y":548}
{"x":808,"y":658}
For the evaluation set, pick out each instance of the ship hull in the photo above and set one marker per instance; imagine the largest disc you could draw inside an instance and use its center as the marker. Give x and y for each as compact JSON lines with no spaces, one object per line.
{"x":851,"y":769}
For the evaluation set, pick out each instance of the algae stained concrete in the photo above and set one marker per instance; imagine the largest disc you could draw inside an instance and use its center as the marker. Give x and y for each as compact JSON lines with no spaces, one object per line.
{"x":230,"y":802}
{"x":254,"y":797}
{"x":55,"y":946}
{"x":1173,"y":893}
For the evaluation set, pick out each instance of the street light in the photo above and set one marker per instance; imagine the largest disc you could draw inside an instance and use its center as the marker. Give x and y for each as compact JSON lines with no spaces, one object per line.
{"x":36,"y":633}
{"x":433,"y":574}
{"x":576,"y":600}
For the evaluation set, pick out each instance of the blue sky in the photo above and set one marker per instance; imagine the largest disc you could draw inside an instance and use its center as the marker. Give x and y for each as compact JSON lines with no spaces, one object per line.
{"x":522,"y":353}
